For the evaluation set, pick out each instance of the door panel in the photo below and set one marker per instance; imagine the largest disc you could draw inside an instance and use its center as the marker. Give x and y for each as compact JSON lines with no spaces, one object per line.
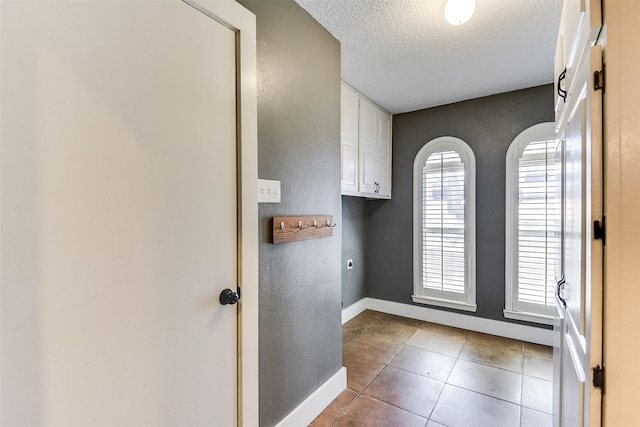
{"x":368,"y":147}
{"x":573,"y":393}
{"x":349,"y":139}
{"x":122,"y":186}
{"x":574,"y":217}
{"x":559,"y":321}
{"x":383,"y":161}
{"x":582,"y":255}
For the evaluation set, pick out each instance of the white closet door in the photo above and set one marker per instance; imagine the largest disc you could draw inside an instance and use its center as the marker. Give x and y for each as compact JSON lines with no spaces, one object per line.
{"x":119,"y":215}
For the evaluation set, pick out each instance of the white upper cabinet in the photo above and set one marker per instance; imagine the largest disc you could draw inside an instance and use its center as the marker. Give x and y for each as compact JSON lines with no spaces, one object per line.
{"x":365,"y":147}
{"x":349,"y":140}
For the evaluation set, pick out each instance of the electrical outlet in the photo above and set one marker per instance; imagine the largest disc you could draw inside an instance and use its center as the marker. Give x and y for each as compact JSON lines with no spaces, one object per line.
{"x":268,"y":191}
{"x":349,"y":264}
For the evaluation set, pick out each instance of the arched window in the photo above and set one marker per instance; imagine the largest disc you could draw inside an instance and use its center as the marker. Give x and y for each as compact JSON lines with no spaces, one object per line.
{"x":532,"y":228}
{"x":444,"y":224}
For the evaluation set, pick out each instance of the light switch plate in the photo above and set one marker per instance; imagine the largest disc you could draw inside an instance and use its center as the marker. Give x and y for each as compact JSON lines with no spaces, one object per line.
{"x":268,"y":191}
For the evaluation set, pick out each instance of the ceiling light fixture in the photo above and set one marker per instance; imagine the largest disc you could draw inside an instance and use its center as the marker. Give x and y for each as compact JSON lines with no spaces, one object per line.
{"x":459,"y":11}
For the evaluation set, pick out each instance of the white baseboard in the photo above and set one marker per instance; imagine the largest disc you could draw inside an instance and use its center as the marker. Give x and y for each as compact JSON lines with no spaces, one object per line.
{"x":458,"y":320}
{"x":353,"y":310}
{"x":313,"y":405}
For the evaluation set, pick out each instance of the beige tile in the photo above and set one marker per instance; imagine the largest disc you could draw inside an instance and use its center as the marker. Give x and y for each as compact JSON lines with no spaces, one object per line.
{"x":331,"y":412}
{"x":372,"y":314}
{"x":360,"y":323}
{"x":438,"y":341}
{"x":412,"y":392}
{"x":496,"y":340}
{"x":537,"y":394}
{"x":538,"y":367}
{"x":531,"y":418}
{"x":538,"y":350}
{"x":403,"y":320}
{"x":424,"y":362}
{"x":370,"y":412}
{"x":364,"y":356}
{"x":432,"y":423}
{"x":444,"y":330}
{"x":391,"y":331}
{"x":458,"y":407}
{"x":495,"y":382}
{"x":348,"y":335}
{"x":370,"y":347}
{"x":360,"y":373}
{"x":499,"y":353}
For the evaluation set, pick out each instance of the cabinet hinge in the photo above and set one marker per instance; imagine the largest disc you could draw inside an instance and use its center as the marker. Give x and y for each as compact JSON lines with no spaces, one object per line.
{"x":598,"y":79}
{"x":598,"y":377}
{"x":600,"y":231}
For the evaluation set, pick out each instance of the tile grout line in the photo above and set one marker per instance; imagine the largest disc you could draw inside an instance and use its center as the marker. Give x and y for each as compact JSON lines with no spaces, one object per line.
{"x":446,"y":381}
{"x":374,"y":377}
{"x":358,"y":393}
{"x":404,"y":344}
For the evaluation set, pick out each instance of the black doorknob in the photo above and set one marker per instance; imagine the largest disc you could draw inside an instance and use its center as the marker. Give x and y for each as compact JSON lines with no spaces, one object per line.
{"x":229,"y":297}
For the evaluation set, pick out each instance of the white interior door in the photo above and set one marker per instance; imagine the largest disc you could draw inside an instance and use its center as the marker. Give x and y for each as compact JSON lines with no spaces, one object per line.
{"x":582,"y":254}
{"x":119,"y":215}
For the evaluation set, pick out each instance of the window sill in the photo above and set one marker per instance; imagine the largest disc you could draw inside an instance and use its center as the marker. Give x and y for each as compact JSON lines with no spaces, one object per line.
{"x":528,"y":317}
{"x":444,"y":303}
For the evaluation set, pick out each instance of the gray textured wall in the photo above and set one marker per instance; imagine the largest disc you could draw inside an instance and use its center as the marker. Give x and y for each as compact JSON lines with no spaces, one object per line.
{"x":354,"y":246}
{"x":488,"y":125}
{"x":298,"y":144}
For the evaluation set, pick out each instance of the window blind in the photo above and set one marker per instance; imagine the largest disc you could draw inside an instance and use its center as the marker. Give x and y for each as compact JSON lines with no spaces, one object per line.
{"x":538,"y":226}
{"x":443,"y":245}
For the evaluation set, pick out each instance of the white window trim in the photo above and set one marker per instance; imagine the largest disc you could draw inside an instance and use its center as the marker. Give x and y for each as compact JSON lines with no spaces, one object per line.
{"x":517,"y":147}
{"x":446,"y":143}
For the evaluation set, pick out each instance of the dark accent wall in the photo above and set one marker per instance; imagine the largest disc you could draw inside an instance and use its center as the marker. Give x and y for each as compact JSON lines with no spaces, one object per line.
{"x":488,"y":125}
{"x":354,"y":246}
{"x":298,"y":144}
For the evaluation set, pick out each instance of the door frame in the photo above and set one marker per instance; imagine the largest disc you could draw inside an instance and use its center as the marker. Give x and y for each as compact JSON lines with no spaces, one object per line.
{"x":243,"y":23}
{"x":621,"y":160}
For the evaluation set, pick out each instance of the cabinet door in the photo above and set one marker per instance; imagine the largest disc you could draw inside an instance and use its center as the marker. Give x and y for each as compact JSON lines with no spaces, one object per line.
{"x":368,"y":148}
{"x":349,"y":141}
{"x":383,"y":158}
{"x":365,"y":147}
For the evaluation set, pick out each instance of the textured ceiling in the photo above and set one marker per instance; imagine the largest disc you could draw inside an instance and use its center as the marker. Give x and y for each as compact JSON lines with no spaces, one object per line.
{"x":403,"y":55}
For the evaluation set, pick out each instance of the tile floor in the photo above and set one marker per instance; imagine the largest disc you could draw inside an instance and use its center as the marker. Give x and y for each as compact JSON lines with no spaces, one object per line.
{"x":405,"y":372}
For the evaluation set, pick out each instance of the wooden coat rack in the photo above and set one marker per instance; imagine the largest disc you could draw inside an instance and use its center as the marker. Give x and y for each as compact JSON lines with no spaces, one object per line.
{"x":294,"y":228}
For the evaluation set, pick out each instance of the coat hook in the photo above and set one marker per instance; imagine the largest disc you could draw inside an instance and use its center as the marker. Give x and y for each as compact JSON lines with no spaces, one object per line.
{"x":293,"y":228}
